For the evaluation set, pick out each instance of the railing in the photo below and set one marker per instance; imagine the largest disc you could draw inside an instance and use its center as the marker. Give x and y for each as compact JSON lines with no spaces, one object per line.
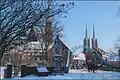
{"x":110,"y":68}
{"x":70,"y":52}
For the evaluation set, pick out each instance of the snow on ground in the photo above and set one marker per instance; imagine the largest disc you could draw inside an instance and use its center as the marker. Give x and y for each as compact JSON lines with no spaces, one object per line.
{"x":79,"y":74}
{"x":86,"y":71}
{"x":78,"y":71}
{"x":76,"y":74}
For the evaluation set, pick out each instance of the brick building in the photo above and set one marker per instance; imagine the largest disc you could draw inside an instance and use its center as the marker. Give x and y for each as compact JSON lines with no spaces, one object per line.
{"x":33,"y":54}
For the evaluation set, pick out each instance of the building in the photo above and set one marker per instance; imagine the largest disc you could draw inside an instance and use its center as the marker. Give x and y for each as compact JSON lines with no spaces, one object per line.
{"x":27,"y":53}
{"x":78,"y":61}
{"x":63,"y":52}
{"x":93,"y":50}
{"x":86,"y":42}
{"x":113,"y":60}
{"x":33,"y":53}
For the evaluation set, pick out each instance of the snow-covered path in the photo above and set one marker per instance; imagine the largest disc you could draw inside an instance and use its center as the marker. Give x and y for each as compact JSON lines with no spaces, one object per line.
{"x":86,"y":71}
{"x":78,"y":74}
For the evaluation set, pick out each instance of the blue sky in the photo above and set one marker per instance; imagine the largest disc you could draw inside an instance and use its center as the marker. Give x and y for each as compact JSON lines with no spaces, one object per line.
{"x":103,"y":14}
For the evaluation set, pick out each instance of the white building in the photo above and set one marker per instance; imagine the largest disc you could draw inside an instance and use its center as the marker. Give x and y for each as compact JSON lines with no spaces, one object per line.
{"x":78,"y":61}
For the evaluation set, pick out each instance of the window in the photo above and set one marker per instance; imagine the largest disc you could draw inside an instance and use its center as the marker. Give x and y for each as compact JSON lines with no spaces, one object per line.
{"x":28,"y":58}
{"x":66,"y":51}
{"x":28,"y":54}
{"x":35,"y":58}
{"x":23,"y":57}
{"x":40,"y":58}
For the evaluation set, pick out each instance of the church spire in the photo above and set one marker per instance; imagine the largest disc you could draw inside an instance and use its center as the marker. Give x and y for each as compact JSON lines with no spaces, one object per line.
{"x":94,"y":40}
{"x":93,"y":31}
{"x":86,"y":31}
{"x":86,"y":42}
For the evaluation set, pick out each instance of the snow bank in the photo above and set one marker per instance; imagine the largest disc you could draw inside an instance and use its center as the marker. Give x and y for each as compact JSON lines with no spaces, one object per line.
{"x":103,"y":75}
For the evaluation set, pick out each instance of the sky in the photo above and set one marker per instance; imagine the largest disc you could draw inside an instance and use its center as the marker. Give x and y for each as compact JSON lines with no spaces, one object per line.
{"x":103,"y":14}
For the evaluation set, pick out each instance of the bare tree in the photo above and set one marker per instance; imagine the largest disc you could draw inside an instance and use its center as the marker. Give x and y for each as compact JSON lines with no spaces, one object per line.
{"x":50,"y":26}
{"x":15,"y":59}
{"x":17,"y":16}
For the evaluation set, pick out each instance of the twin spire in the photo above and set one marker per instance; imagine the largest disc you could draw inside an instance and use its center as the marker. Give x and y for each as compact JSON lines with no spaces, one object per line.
{"x":86,"y":35}
{"x":86,"y":31}
{"x":93,"y":31}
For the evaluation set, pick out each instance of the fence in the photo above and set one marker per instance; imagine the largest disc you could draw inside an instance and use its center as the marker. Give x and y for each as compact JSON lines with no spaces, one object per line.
{"x":110,"y":68}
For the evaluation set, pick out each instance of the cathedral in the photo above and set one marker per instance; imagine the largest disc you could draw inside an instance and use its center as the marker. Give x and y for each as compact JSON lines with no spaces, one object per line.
{"x":97,"y":53}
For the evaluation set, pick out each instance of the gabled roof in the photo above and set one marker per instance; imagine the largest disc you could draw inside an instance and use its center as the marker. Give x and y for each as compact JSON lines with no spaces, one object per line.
{"x":52,"y":44}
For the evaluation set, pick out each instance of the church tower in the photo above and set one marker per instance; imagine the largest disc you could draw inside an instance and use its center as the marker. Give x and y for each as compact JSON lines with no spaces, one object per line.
{"x":86,"y":42}
{"x":94,"y":40}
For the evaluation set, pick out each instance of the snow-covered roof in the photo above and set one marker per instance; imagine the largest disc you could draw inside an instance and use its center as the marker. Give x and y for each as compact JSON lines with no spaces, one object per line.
{"x":80,"y":56}
{"x":34,"y":45}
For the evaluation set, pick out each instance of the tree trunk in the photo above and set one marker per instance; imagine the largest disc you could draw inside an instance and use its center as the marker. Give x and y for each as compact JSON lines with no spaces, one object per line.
{"x":0,"y":62}
{"x":0,"y":67}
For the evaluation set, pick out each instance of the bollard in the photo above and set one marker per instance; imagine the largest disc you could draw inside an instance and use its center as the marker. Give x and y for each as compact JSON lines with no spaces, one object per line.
{"x":23,"y":70}
{"x":8,"y":71}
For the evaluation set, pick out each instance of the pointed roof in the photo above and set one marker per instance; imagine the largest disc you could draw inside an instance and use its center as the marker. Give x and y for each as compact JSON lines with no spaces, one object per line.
{"x":93,"y":31}
{"x":86,"y":31}
{"x":32,"y":35}
{"x":61,"y":41}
